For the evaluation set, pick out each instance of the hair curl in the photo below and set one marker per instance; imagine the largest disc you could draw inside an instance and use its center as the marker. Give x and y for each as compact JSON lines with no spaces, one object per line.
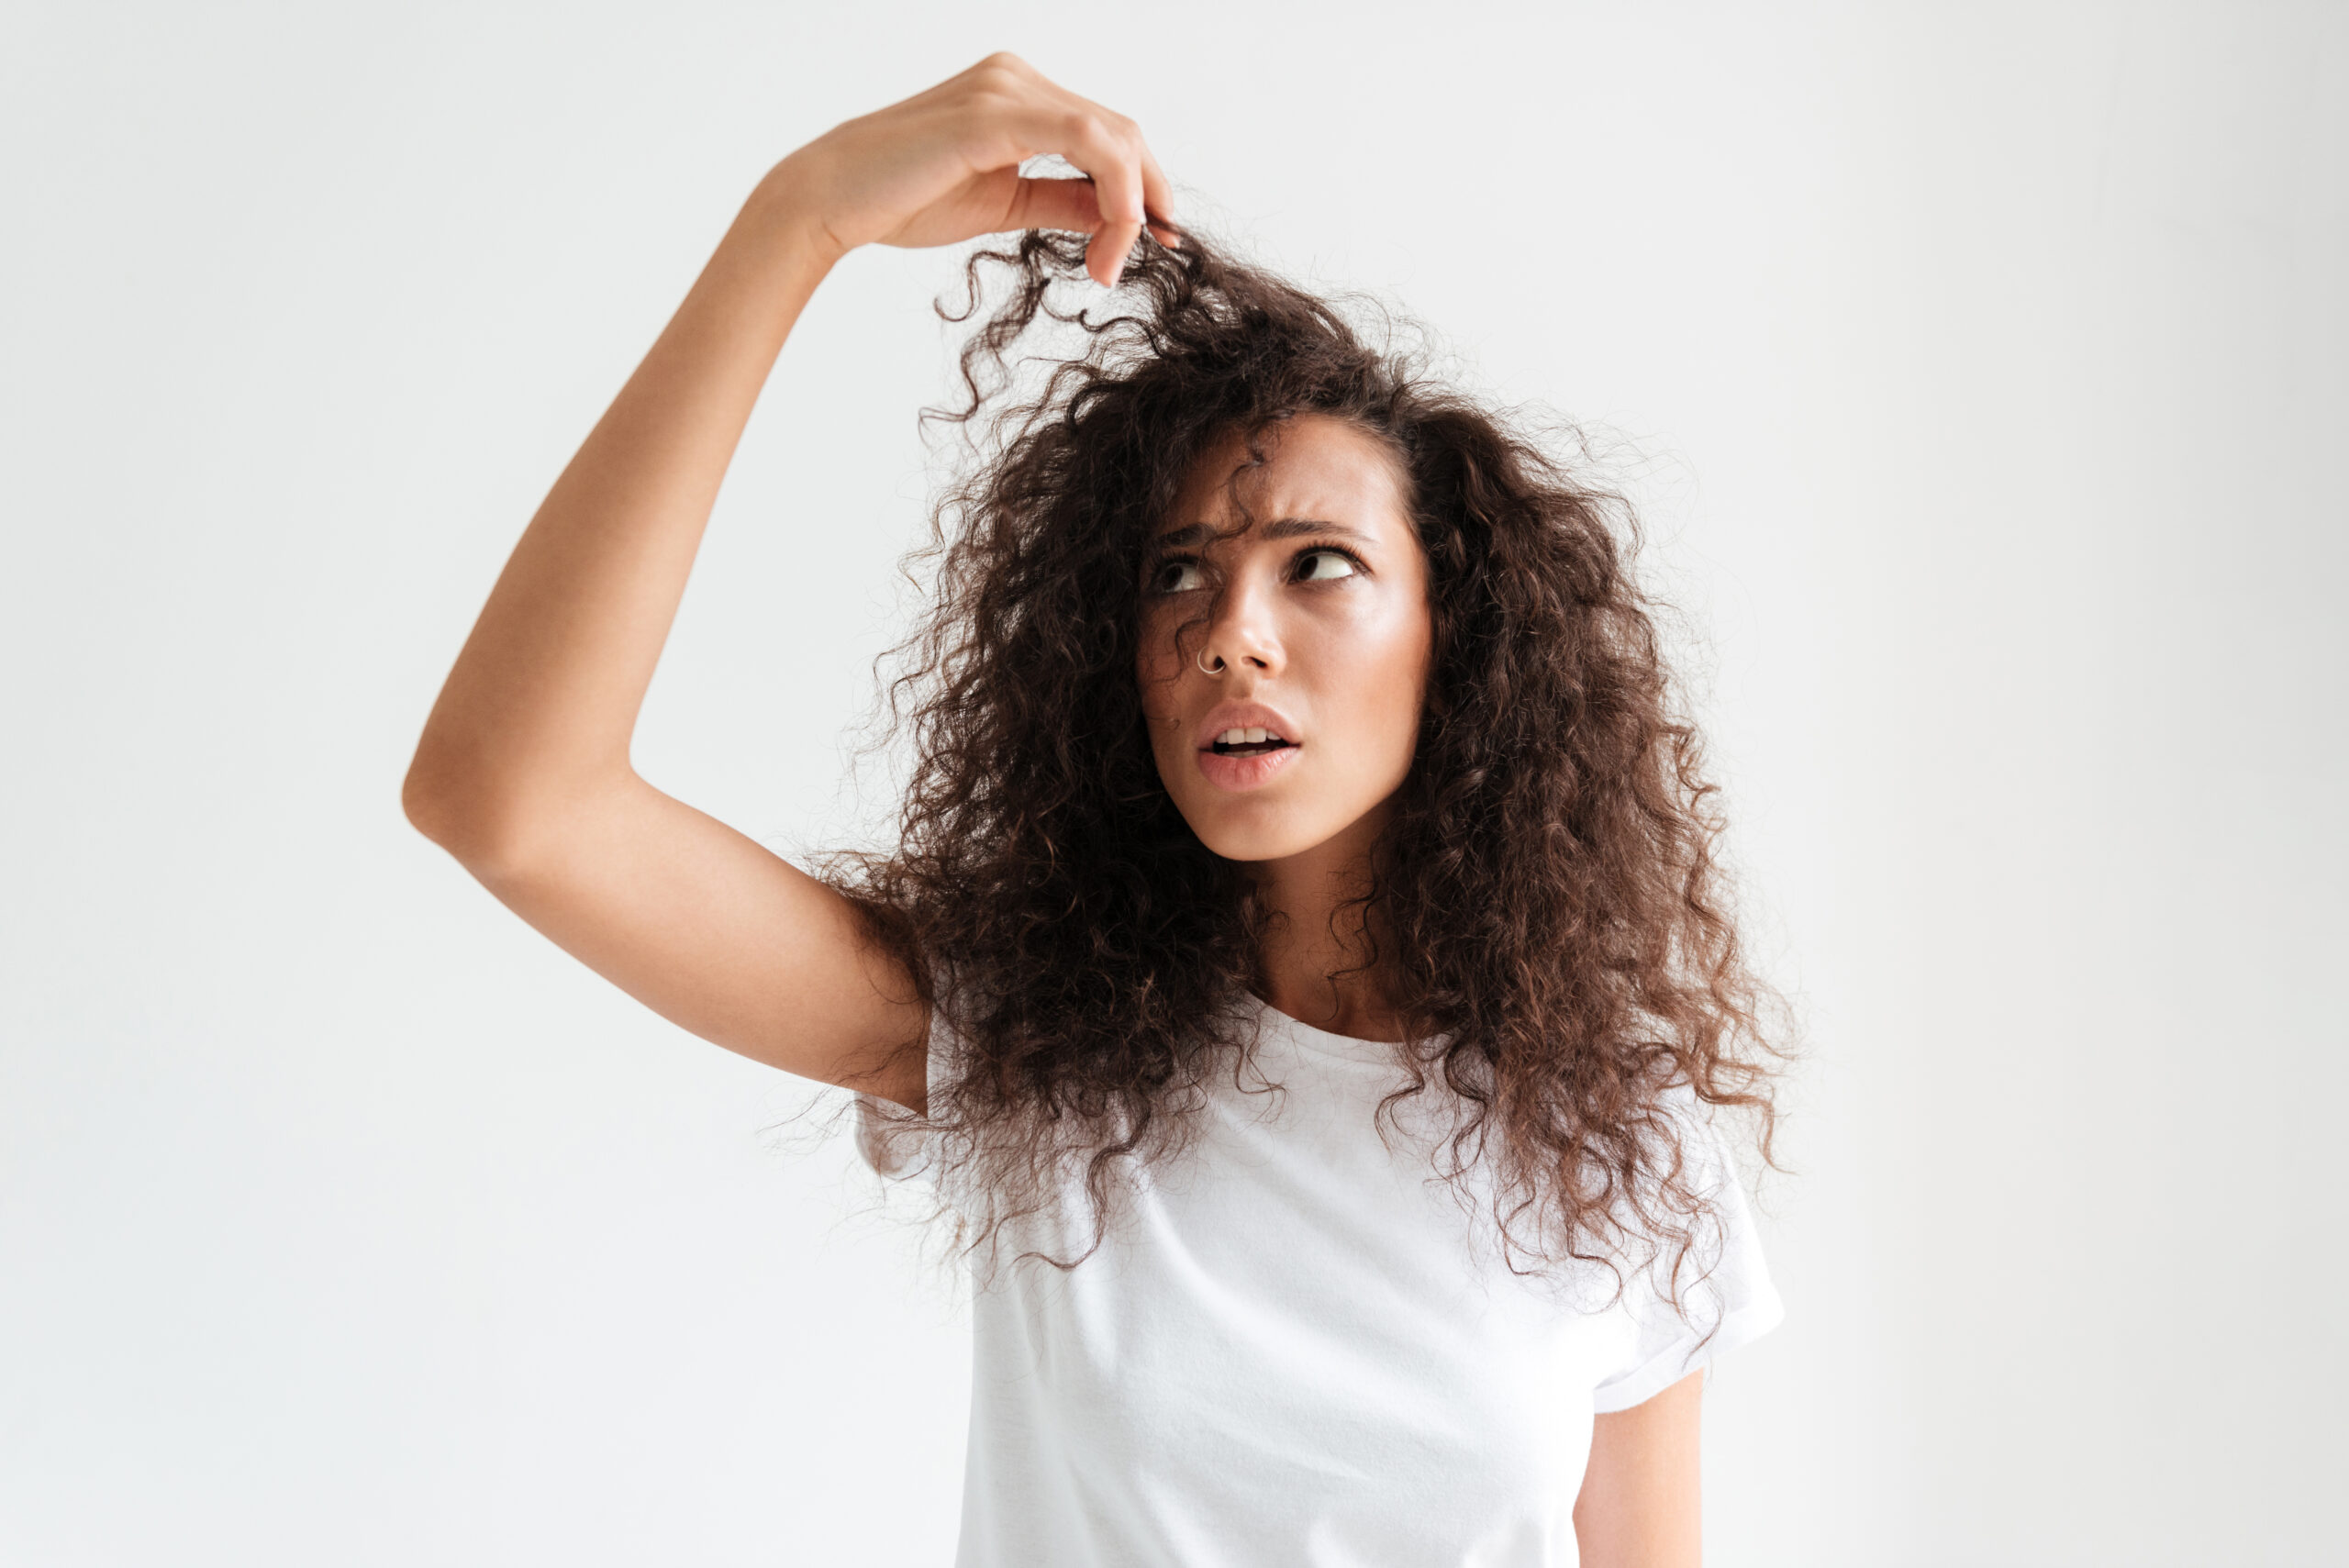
{"x":1558,"y":922}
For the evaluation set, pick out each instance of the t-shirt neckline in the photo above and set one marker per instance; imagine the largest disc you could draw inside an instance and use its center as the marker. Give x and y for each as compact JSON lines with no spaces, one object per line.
{"x":1353,"y":1046}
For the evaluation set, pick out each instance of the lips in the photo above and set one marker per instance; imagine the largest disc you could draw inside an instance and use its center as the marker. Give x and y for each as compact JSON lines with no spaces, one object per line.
{"x":1245,"y":717}
{"x":1252,"y":762}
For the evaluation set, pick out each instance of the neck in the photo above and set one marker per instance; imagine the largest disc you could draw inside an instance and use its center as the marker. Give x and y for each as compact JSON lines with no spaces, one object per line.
{"x":1312,"y":931}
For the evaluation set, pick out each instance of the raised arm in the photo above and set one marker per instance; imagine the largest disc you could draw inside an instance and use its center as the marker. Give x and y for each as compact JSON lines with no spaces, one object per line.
{"x":523,"y":773}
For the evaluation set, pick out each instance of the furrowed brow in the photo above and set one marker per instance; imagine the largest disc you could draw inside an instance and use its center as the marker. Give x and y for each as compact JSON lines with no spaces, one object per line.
{"x":1291,"y":528}
{"x":1194,"y":534}
{"x":1183,"y":538}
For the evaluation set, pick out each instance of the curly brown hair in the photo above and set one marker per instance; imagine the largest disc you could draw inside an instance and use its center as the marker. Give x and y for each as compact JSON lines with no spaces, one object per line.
{"x":1549,"y":883}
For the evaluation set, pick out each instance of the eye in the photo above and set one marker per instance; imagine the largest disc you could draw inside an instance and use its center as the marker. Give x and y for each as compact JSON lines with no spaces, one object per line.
{"x":1175,"y":576}
{"x":1324,"y":564}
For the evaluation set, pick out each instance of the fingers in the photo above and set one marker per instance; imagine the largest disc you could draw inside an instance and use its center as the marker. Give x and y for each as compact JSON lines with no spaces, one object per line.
{"x":1129,"y":189}
{"x":1072,"y":205}
{"x":1111,"y":156}
{"x":1065,"y":204}
{"x":1158,"y":198}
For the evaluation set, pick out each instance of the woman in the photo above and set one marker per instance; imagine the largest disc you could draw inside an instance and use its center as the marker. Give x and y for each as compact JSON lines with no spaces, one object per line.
{"x":1303,"y":961}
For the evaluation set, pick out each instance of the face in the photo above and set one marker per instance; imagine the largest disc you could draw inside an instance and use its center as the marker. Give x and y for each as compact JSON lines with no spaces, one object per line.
{"x":1284,"y":652}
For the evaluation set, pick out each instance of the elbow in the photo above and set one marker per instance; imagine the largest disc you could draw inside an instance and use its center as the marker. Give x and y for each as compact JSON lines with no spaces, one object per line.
{"x":496,"y":824}
{"x":431,"y":801}
{"x":452,"y":807}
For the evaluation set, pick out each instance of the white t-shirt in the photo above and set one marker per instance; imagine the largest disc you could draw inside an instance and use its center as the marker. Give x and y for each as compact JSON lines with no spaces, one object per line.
{"x":1289,"y":1351}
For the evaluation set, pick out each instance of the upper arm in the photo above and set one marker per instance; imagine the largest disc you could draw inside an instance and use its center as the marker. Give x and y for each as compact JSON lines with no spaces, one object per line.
{"x":708,"y":928}
{"x":1640,"y":1503}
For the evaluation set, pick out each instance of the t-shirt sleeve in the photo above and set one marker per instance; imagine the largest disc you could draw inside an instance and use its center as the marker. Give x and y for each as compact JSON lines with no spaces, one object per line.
{"x":899,"y":1145}
{"x":1732,"y":1303}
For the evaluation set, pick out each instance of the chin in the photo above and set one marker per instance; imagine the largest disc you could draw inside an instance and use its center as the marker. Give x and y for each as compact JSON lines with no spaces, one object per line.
{"x":1272,"y":836}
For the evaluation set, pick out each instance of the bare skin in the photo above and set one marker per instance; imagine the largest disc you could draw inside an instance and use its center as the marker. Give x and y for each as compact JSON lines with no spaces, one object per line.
{"x":523,"y":775}
{"x":1640,"y":1502}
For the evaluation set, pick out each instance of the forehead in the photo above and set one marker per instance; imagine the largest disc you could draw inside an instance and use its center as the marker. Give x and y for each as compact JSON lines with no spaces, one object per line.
{"x":1316,"y":467}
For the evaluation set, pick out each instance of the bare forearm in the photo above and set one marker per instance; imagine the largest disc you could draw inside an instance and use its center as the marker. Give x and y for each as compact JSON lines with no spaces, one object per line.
{"x":544,"y":696}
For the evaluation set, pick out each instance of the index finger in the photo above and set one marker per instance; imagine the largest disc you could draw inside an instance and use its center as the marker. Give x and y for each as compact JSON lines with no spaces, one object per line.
{"x":1158,"y":201}
{"x":1153,"y":206}
{"x":1087,"y":136}
{"x":1157,"y":212}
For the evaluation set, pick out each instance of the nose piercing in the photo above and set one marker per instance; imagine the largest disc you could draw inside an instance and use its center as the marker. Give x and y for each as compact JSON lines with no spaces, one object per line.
{"x":1201,"y":661}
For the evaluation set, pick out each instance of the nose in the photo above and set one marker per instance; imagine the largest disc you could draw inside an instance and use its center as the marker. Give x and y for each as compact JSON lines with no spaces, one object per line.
{"x":1241,"y":630}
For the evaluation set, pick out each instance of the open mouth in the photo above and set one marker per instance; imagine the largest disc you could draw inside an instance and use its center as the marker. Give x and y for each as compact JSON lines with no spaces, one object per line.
{"x":1248,"y":744}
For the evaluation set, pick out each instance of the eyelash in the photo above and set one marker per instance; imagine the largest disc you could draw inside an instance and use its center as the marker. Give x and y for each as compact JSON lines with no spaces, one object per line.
{"x":1164,"y":562}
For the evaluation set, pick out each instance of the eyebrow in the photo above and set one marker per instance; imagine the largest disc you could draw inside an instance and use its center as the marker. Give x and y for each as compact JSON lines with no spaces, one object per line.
{"x":1279,"y":528}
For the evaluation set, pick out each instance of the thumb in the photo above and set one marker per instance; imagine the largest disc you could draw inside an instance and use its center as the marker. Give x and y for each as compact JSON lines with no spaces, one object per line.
{"x":1068,"y":205}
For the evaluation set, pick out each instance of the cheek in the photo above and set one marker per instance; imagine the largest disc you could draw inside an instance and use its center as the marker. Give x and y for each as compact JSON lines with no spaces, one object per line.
{"x":1385,"y":664}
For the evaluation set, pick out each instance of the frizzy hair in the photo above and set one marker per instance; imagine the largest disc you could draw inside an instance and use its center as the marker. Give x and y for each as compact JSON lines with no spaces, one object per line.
{"x":1552,"y":908}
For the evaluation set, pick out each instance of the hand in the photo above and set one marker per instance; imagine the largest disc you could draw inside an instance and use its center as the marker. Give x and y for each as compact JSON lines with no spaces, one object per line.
{"x":943,"y":166}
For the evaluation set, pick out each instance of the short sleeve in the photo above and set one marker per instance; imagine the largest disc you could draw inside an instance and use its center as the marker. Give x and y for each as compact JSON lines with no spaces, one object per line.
{"x":1733,"y":1302}
{"x":896,"y":1144}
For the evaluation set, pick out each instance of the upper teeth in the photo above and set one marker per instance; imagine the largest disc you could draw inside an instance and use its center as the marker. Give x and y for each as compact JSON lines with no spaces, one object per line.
{"x":1243,"y":736}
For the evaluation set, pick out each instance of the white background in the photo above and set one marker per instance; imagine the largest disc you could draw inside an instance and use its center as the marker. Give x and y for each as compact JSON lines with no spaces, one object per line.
{"x":1988,"y":370}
